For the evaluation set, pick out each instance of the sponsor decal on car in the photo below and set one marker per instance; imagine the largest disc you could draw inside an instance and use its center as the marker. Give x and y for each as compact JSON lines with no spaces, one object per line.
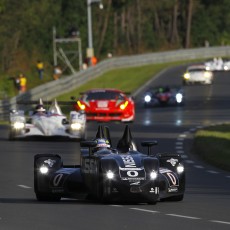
{"x":172,"y":161}
{"x":171,"y":177}
{"x":172,"y":189}
{"x":130,"y":171}
{"x":154,"y":190}
{"x":50,"y":162}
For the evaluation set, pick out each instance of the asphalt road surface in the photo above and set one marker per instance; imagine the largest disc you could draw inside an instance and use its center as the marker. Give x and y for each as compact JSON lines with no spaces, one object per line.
{"x":206,"y":204}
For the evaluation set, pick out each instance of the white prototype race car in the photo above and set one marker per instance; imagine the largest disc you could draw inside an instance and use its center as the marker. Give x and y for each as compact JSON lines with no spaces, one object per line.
{"x":218,"y":64}
{"x":197,"y":74}
{"x":47,"y":124}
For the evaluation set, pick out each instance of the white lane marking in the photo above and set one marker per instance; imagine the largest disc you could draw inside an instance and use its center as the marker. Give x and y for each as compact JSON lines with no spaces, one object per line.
{"x":116,"y":205}
{"x":179,"y":143}
{"x":188,"y":217}
{"x":180,"y":151}
{"x":179,"y":147}
{"x":220,"y":222}
{"x":213,"y":172}
{"x":228,"y":177}
{"x":144,"y":210}
{"x":189,"y":161}
{"x":180,"y":139}
{"x":185,"y":133}
{"x":24,"y":186}
{"x":184,"y":156}
{"x":175,"y":215}
{"x":182,"y":135}
{"x":198,"y":166}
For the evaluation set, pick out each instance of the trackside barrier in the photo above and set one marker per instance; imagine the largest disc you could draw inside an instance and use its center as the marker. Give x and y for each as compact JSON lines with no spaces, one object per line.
{"x":66,"y":84}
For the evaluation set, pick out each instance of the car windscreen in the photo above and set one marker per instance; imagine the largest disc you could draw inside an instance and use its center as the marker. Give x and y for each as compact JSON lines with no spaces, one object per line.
{"x":196,"y":70}
{"x":108,"y":95}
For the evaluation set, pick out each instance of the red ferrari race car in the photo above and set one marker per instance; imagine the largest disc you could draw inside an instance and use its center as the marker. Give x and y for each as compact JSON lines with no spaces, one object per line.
{"x":105,"y":105}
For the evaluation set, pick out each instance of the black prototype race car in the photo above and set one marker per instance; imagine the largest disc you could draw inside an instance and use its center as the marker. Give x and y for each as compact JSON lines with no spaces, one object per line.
{"x":111,"y":175}
{"x":164,"y":95}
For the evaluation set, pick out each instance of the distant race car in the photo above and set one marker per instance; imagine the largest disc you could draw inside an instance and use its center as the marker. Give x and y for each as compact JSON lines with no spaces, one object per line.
{"x":47,"y":124}
{"x":164,"y":95}
{"x":197,"y":74}
{"x":105,"y":105}
{"x":111,"y":175}
{"x":217,"y":64}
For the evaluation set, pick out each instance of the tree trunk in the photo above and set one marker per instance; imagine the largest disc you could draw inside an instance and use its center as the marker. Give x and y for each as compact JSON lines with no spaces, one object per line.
{"x":138,"y":35}
{"x":115,"y":37}
{"x":174,"y":35}
{"x":105,"y":26}
{"x":189,"y":22}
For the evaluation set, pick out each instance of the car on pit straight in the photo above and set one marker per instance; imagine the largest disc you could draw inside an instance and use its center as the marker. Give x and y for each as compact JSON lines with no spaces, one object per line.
{"x":104,"y":105}
{"x":164,"y":95}
{"x":197,"y":74}
{"x":218,"y":64}
{"x":42,"y":123}
{"x":112,"y":175}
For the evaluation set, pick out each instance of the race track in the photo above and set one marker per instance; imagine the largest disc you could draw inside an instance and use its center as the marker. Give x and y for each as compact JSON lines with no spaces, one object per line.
{"x":206,"y":204}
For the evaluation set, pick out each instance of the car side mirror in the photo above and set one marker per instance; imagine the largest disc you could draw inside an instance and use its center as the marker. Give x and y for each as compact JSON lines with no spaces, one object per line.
{"x":89,"y":144}
{"x":149,"y":144}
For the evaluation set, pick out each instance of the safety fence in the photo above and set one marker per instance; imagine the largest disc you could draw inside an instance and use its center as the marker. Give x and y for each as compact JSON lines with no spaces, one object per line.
{"x":66,"y":84}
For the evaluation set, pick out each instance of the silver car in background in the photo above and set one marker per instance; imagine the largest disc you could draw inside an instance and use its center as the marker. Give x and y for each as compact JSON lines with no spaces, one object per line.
{"x":197,"y":74}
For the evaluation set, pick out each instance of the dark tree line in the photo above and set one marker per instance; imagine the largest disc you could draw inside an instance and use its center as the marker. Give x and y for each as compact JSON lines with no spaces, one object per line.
{"x":122,"y":27}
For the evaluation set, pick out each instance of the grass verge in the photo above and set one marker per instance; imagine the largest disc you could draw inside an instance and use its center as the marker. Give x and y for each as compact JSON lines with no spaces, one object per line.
{"x":125,"y":79}
{"x":212,"y":144}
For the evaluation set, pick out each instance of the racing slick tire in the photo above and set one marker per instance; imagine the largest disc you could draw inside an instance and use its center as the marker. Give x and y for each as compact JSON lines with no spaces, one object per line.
{"x":38,"y":160}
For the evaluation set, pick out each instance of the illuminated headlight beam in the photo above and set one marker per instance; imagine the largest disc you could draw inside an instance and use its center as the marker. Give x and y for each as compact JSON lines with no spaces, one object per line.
{"x":75,"y":126}
{"x":180,"y":168}
{"x":44,"y":169}
{"x":147,"y":98}
{"x":18,"y":125}
{"x":179,"y":97}
{"x":186,"y":76}
{"x":110,"y":175}
{"x":153,"y":175}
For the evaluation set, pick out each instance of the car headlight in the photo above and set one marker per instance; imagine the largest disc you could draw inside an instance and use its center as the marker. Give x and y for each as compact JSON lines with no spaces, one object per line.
{"x":180,"y":168}
{"x":76,"y":126}
{"x":110,"y":175}
{"x":124,"y":105}
{"x":186,"y":76}
{"x":179,"y":97}
{"x":81,"y":106}
{"x":153,"y":175}
{"x":226,"y":67}
{"x":147,"y":98}
{"x":207,"y":74}
{"x":44,"y":169}
{"x":18,"y":125}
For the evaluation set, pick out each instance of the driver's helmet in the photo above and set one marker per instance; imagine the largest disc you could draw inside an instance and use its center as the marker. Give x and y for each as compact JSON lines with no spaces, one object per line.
{"x":40,"y":108}
{"x":101,"y":144}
